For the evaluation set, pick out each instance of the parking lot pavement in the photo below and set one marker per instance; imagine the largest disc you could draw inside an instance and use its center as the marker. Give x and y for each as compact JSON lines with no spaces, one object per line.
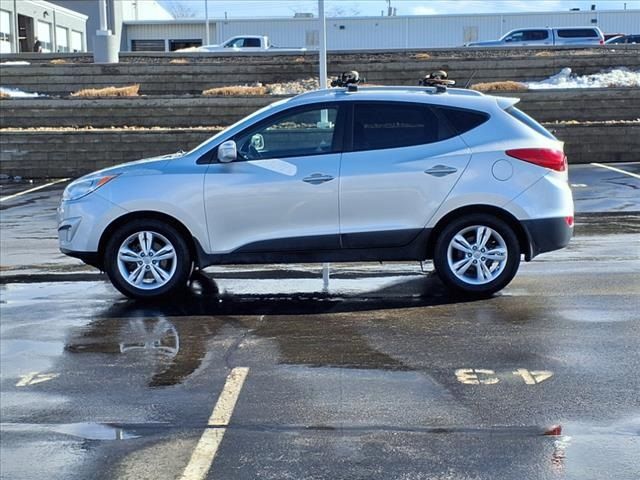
{"x":384,"y":375}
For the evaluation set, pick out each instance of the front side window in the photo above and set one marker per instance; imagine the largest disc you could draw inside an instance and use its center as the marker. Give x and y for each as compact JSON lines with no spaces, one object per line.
{"x":515,"y":37}
{"x":393,"y":125}
{"x":300,"y":133}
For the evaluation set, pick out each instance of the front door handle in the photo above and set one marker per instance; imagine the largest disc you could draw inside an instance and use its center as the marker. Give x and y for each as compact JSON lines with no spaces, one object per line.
{"x":317,"y":178}
{"x":441,"y":171}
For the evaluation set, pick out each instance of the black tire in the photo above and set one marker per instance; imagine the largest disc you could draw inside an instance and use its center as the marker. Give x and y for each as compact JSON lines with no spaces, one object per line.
{"x":453,"y":281}
{"x":179,"y":275}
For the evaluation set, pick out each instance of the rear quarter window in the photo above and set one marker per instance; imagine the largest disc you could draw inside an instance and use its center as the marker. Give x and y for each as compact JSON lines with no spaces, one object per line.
{"x":529,"y":122}
{"x":578,"y":33}
{"x":462,"y":120}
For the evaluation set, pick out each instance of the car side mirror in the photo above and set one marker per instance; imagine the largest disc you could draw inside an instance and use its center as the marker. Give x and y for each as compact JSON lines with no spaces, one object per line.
{"x":227,"y":151}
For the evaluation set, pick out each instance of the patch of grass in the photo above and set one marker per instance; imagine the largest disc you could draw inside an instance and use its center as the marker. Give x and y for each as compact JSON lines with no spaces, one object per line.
{"x":421,"y":56}
{"x":4,"y":96}
{"x":58,"y":61}
{"x":544,"y":53}
{"x":507,"y":86}
{"x":235,"y":90}
{"x":179,"y":61}
{"x":128,"y":91}
{"x":299,"y":60}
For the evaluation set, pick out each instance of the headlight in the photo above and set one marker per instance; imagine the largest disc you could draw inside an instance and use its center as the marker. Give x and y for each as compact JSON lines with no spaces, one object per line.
{"x":83,"y":187}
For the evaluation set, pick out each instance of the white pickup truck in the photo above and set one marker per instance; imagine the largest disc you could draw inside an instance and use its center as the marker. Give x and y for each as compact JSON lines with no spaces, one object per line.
{"x":242,"y":43}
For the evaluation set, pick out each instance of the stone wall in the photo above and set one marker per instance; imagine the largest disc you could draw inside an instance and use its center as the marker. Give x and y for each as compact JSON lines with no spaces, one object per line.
{"x":39,"y":154}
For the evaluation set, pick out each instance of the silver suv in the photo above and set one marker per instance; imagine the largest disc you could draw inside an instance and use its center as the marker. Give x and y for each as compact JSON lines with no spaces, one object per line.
{"x":373,"y":174}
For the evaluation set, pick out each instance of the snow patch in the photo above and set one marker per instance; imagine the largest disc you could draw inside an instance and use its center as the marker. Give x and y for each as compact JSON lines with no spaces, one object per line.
{"x":18,"y":62}
{"x":616,"y":77}
{"x":15,"y":93}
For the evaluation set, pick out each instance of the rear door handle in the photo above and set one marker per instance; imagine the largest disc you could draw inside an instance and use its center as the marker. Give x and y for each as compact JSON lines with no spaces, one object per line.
{"x":441,"y":171}
{"x":317,"y":178}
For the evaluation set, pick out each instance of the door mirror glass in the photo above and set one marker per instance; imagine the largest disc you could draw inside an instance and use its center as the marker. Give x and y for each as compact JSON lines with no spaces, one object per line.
{"x":227,"y":151}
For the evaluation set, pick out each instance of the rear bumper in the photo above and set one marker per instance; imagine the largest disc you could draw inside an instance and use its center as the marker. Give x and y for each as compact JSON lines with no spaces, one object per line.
{"x":547,"y":234}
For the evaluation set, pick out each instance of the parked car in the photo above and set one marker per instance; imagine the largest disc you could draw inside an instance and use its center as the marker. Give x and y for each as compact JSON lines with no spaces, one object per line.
{"x":622,"y":39}
{"x":527,"y":37}
{"x":377,"y":174}
{"x":243,"y":43}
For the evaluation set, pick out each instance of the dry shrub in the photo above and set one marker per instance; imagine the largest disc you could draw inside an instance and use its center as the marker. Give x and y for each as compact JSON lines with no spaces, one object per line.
{"x":544,"y":53}
{"x":235,"y":90}
{"x":421,"y":56}
{"x":179,"y":60}
{"x":298,"y":60}
{"x":58,"y":61}
{"x":4,"y":96}
{"x":507,"y":86}
{"x":128,"y":91}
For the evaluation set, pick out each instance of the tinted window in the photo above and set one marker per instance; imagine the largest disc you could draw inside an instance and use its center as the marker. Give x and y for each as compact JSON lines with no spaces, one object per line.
{"x":578,"y":33}
{"x":251,"y":42}
{"x":463,"y":120}
{"x":300,"y":133}
{"x":535,"y":35}
{"x":393,"y":125}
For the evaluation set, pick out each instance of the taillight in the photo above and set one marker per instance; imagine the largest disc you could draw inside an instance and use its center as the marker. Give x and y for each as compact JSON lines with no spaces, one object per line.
{"x":544,"y":157}
{"x":601,"y":42}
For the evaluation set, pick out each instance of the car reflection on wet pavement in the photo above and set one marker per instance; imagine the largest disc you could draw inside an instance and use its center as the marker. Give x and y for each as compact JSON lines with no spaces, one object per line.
{"x":382,"y":375}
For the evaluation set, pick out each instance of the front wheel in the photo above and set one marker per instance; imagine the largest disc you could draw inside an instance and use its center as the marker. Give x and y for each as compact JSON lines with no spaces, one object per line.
{"x":477,"y":254}
{"x":147,"y":259}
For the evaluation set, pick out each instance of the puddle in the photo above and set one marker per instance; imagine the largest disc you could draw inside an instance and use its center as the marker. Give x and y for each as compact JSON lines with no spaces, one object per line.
{"x":93,"y":431}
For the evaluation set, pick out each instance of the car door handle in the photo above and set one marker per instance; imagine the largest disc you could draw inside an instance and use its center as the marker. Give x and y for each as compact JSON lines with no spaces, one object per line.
{"x":317,"y":178}
{"x":441,"y":171}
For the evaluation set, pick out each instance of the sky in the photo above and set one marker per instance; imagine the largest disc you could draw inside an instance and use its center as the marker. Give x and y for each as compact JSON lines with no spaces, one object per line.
{"x":287,"y":8}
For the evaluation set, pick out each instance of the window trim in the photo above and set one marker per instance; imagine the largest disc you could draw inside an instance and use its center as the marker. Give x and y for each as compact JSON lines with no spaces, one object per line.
{"x":349,"y":135}
{"x":338,"y":137}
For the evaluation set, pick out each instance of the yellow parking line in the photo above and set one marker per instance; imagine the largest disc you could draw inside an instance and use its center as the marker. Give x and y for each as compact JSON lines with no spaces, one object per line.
{"x":9,"y":197}
{"x":207,"y":447}
{"x":634,"y":175}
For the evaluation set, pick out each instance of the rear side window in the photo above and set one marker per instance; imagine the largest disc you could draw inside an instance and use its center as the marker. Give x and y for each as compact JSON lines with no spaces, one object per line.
{"x":392,"y":125}
{"x":578,"y":33}
{"x":532,"y":35}
{"x":463,"y":120}
{"x":529,"y":122}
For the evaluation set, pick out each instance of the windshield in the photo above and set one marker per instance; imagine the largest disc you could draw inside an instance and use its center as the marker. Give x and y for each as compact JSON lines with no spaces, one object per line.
{"x":237,"y":124}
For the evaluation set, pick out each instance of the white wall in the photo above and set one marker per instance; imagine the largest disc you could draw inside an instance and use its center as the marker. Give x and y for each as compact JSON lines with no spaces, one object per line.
{"x":356,"y":33}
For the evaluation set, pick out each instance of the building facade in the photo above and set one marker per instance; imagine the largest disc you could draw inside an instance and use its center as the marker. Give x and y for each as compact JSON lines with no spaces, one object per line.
{"x":57,"y":29}
{"x":359,"y":33}
{"x":118,"y":11}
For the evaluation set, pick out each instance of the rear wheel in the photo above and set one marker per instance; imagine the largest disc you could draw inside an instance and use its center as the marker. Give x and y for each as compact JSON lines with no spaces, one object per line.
{"x":477,"y":254}
{"x":147,"y":259}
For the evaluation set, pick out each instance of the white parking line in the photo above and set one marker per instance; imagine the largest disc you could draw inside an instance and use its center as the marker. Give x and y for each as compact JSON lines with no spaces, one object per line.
{"x":207,"y":447}
{"x":9,"y":197}
{"x":634,"y":175}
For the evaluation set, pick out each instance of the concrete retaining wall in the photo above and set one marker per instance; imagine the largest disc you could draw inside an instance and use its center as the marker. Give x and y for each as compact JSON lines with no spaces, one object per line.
{"x":545,"y":106}
{"x":400,"y":68}
{"x":38,"y":154}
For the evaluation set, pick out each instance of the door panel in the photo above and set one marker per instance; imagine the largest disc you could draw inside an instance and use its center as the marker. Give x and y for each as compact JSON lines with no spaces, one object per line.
{"x":387,"y":197}
{"x":268,"y":200}
{"x":282,"y":193}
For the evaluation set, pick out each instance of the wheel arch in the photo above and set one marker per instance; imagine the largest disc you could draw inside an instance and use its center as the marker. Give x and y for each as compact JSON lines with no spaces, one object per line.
{"x":521,"y":234}
{"x":194,"y":248}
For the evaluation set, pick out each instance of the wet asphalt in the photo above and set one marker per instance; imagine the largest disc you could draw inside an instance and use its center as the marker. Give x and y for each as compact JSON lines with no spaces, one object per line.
{"x":365,"y":380}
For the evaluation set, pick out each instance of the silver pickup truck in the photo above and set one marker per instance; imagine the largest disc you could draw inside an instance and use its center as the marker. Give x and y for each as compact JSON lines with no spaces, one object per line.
{"x":558,"y":36}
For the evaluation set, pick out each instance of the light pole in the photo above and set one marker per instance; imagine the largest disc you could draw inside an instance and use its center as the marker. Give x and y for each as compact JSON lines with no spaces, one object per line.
{"x":105,"y":47}
{"x":322,"y":51}
{"x":207,"y":40}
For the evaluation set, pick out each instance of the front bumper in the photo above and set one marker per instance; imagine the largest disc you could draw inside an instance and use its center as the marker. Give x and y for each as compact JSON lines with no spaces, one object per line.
{"x":548,"y":234}
{"x":81,"y":224}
